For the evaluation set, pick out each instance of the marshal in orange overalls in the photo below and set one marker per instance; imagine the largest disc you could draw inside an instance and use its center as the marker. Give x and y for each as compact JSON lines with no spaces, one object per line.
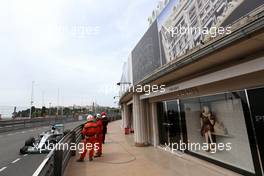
{"x":100,"y":136}
{"x":89,"y":132}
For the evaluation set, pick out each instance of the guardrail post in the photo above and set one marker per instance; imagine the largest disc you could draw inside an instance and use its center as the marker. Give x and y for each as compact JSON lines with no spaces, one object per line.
{"x":73,"y":152}
{"x":58,"y":158}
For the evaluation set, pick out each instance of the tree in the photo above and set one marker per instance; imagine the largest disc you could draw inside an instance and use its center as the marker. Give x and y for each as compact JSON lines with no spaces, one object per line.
{"x":43,"y":111}
{"x":33,"y":110}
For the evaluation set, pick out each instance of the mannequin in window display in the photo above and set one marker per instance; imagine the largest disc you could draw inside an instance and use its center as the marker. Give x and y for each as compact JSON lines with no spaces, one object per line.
{"x":207,"y":126}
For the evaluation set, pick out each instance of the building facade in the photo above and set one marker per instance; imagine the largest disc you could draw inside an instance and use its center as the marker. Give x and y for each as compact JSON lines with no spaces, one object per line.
{"x":212,"y":107}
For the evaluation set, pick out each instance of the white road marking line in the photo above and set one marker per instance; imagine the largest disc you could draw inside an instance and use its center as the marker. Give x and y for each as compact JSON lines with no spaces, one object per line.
{"x":9,"y":134}
{"x":3,"y":168}
{"x":26,"y":155}
{"x":23,"y":132}
{"x":16,"y":160}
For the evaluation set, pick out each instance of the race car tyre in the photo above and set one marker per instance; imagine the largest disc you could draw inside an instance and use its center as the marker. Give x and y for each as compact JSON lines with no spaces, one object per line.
{"x":53,"y":141}
{"x":23,"y":150}
{"x":66,"y":132}
{"x":30,"y":141}
{"x":50,"y":143}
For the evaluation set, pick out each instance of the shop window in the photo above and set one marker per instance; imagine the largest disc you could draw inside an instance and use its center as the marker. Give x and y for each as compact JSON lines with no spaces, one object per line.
{"x":216,"y":129}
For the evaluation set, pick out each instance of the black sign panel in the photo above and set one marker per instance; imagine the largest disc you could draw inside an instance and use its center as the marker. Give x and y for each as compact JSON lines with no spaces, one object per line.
{"x":256,"y":101}
{"x":146,"y":55}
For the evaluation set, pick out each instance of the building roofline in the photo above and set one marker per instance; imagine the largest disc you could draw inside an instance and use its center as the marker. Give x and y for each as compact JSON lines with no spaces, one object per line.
{"x":243,"y":28}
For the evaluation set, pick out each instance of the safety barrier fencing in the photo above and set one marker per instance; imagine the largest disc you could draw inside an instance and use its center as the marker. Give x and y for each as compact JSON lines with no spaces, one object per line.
{"x":56,"y":161}
{"x":10,"y":125}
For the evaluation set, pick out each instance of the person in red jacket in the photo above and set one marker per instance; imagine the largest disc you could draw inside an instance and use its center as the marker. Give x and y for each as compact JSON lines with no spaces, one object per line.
{"x":100,"y":134}
{"x":89,"y":132}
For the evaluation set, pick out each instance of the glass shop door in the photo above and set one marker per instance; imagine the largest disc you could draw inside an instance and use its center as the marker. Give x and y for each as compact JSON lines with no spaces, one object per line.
{"x":256,"y":101}
{"x":169,"y":122}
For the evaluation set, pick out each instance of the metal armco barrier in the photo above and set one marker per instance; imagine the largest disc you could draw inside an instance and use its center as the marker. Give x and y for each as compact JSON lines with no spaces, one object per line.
{"x":56,"y":161}
{"x":9,"y":125}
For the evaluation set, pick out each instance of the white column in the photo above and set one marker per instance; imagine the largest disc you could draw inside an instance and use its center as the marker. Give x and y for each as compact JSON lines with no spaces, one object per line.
{"x":125,"y":115}
{"x":140,"y":122}
{"x":122,"y":115}
{"x":154,"y":124}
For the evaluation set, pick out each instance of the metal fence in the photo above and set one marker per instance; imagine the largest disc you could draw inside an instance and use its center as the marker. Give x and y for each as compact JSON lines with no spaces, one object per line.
{"x":9,"y":125}
{"x":56,"y":161}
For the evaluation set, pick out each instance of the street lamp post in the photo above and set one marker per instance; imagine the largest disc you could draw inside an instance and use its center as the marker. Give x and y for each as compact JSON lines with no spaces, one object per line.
{"x":31,"y":100}
{"x":58,"y":101}
{"x":119,"y":83}
{"x":49,"y":108}
{"x":116,"y":97}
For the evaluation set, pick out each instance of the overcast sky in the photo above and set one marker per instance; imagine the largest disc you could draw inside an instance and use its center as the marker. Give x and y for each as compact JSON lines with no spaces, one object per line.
{"x":76,"y":46}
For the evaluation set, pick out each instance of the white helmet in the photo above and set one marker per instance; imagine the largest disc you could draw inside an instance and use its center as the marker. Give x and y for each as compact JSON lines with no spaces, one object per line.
{"x":98,"y":116}
{"x":90,"y":118}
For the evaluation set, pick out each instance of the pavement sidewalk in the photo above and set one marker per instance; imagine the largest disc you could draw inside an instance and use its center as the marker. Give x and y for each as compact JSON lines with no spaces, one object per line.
{"x":121,"y":157}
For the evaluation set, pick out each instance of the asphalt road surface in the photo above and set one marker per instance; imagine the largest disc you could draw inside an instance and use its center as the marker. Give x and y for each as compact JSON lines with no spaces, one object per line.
{"x":14,"y":164}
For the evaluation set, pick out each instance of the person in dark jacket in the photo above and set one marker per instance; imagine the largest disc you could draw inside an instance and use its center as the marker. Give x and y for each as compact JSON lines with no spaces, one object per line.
{"x":100,"y":134}
{"x":105,"y":123}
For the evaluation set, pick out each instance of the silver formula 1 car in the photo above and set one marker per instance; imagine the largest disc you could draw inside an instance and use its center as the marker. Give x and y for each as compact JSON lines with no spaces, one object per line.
{"x":43,"y":143}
